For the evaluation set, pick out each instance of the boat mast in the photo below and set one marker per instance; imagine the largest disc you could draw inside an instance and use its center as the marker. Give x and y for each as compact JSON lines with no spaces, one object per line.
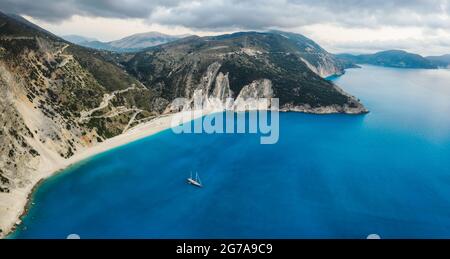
{"x":197,"y":179}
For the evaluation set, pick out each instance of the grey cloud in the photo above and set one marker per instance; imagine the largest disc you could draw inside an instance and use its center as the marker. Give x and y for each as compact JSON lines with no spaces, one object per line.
{"x":439,"y":46}
{"x":249,"y":14}
{"x":57,"y":10}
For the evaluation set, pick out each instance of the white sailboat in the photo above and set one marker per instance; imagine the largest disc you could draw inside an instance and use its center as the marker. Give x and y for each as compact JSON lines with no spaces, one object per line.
{"x":196,"y":182}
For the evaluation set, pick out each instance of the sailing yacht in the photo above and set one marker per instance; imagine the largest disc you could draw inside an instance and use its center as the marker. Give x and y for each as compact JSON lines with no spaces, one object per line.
{"x":196,"y":182}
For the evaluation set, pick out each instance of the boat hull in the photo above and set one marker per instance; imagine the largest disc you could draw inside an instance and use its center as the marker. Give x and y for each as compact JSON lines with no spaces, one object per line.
{"x":193,"y":182}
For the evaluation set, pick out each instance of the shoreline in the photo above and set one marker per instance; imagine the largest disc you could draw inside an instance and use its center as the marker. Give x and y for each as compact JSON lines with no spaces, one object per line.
{"x":28,"y":204}
{"x":21,"y":199}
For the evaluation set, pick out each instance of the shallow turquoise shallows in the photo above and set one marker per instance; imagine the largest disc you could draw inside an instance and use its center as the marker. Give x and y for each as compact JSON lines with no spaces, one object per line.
{"x":330,"y":176}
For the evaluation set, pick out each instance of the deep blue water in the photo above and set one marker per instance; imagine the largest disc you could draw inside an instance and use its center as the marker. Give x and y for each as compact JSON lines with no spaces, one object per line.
{"x":330,"y":176}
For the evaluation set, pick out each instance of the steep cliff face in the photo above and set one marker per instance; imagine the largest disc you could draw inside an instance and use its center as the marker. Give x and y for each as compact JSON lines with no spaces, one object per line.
{"x":315,"y":57}
{"x":233,"y":64}
{"x":16,"y":152}
{"x":214,"y":94}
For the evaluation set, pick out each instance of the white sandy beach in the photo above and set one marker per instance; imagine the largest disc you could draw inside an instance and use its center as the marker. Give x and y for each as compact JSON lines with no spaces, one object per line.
{"x":13,"y":205}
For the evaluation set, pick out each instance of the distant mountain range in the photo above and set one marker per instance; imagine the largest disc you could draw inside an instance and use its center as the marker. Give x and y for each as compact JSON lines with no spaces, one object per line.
{"x":77,"y":39}
{"x":398,"y":59}
{"x":133,"y":43}
{"x":441,"y":61}
{"x":391,"y":58}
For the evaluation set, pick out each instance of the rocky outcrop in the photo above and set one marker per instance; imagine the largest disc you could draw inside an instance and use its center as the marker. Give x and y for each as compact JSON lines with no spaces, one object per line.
{"x":214,"y":93}
{"x":255,"y":96}
{"x":348,"y":109}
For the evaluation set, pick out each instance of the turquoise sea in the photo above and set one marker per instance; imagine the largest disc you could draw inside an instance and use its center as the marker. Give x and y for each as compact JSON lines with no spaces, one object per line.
{"x":329,"y":176}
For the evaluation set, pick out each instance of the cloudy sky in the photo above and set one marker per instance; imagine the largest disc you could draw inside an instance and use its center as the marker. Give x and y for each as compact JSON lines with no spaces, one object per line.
{"x":357,"y":26}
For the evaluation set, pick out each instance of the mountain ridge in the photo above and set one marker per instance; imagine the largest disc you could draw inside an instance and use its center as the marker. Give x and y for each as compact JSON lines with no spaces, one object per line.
{"x":240,"y":57}
{"x":132,"y":43}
